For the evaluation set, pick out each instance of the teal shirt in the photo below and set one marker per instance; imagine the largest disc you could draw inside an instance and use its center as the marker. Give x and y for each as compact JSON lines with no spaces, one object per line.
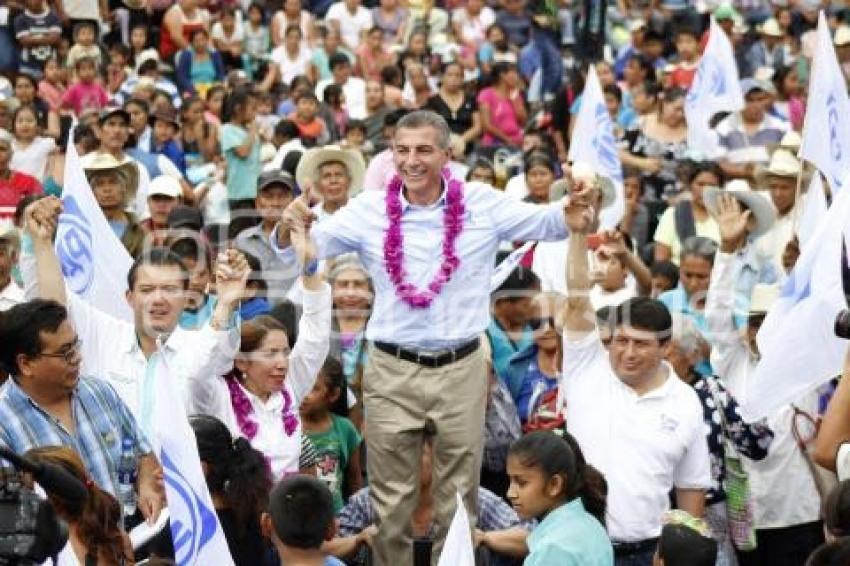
{"x":569,"y":536}
{"x":241,"y":173}
{"x":503,"y":347}
{"x":202,"y":72}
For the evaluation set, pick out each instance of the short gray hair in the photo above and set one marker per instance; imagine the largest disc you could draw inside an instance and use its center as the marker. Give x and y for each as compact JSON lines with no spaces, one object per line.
{"x":685,"y":333}
{"x":427,"y":119}
{"x":699,"y":246}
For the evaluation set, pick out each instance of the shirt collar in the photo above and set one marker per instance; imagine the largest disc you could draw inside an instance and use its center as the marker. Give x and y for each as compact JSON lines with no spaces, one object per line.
{"x":405,"y":204}
{"x":275,"y":402}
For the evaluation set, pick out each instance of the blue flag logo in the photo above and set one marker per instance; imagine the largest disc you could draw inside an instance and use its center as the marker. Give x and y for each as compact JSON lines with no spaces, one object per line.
{"x":74,"y":246}
{"x":189,"y":539}
{"x":605,"y":145}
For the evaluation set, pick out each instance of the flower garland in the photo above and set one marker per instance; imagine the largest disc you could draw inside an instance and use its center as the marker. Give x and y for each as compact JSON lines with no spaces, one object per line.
{"x":243,"y":410}
{"x":394,"y":243}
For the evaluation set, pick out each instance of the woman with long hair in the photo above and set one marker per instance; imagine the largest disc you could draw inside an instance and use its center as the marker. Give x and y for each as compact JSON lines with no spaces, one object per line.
{"x":94,"y":534}
{"x":239,"y":481}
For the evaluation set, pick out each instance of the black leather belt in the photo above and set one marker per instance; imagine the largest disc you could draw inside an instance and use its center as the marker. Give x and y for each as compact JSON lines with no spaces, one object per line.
{"x":637,"y":547}
{"x":428,"y":360}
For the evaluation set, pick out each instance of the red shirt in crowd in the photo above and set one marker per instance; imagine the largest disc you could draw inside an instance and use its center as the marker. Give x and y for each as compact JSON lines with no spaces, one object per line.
{"x":13,"y":189}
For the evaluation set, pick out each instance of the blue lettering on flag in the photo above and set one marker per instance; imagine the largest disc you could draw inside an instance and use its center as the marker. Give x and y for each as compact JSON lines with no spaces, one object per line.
{"x":74,"y":246}
{"x":794,"y":291}
{"x":605,"y":145}
{"x":191,"y":536}
{"x":835,"y":150}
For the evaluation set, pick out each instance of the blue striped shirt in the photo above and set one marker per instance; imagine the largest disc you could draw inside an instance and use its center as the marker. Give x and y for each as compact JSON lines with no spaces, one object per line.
{"x":101,"y":422}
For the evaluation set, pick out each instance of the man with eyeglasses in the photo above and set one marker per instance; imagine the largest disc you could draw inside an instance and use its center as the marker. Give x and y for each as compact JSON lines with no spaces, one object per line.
{"x":47,"y":402}
{"x":788,"y":529}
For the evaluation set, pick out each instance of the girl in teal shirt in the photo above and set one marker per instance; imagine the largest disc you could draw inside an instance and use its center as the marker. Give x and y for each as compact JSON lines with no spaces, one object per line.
{"x":551,"y":482}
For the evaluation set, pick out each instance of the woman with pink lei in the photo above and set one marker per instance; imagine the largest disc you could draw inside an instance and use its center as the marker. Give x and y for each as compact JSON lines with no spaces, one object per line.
{"x":426,"y":374}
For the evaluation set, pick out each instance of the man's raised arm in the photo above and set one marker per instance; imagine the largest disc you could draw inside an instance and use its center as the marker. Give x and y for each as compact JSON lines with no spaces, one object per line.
{"x":579,"y":317}
{"x":41,"y":219}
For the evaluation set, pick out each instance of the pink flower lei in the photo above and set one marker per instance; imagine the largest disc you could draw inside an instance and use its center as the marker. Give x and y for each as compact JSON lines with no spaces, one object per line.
{"x":243,"y":410}
{"x":394,"y":243}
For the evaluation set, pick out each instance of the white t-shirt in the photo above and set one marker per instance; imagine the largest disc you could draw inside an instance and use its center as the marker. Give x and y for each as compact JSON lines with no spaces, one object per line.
{"x":643,"y":445}
{"x":217,"y":32}
{"x":473,"y":28}
{"x":350,"y":25}
{"x":291,"y":68}
{"x":32,"y":160}
{"x":355,"y":96}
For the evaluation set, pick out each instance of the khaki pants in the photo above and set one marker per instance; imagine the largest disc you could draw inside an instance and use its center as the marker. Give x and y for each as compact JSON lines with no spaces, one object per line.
{"x":403,"y":400}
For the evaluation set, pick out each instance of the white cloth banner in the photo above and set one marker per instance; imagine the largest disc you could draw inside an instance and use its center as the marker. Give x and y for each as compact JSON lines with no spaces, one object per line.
{"x":457,"y":550}
{"x":716,"y":88}
{"x":94,"y":261}
{"x":593,"y":142}
{"x":503,"y":270}
{"x":814,"y":211}
{"x":798,"y":346}
{"x":198,"y":537}
{"x":826,"y":131}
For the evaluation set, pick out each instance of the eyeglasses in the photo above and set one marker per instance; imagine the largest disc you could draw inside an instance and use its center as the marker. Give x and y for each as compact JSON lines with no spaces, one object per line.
{"x":537,"y":323}
{"x":69,"y":353}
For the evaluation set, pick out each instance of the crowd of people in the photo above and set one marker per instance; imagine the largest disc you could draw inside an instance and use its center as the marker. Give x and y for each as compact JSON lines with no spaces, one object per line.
{"x":382,"y":286}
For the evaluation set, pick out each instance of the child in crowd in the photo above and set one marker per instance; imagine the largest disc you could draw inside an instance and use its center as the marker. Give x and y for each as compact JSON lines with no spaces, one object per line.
{"x":307,"y":120}
{"x":665,"y":277}
{"x":687,"y":49}
{"x":85,"y":46}
{"x":139,"y":41}
{"x":551,"y":482}
{"x":299,"y":520}
{"x":31,"y":151}
{"x":685,"y":541}
{"x":266,"y":116}
{"x":324,"y":413}
{"x":118,"y":70}
{"x":256,"y":41}
{"x":240,"y":145}
{"x":334,"y":98}
{"x":355,"y":138}
{"x":214,"y":105}
{"x":53,"y":86}
{"x":164,"y":137}
{"x":85,"y":93}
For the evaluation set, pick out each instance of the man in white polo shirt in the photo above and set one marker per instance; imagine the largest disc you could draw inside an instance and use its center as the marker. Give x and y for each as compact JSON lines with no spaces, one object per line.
{"x":635,"y":420}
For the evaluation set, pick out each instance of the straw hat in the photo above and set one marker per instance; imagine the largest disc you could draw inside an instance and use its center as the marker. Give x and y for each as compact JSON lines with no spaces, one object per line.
{"x":762,"y":209}
{"x":842,"y":36}
{"x":9,"y":233}
{"x":771,"y":28}
{"x":791,"y":141}
{"x":313,"y":159}
{"x":782,"y":164}
{"x":582,"y":170}
{"x":127,"y":170}
{"x":763,"y":297}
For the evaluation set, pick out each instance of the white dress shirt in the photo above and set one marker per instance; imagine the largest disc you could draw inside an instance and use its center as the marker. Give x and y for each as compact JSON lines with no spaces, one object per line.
{"x":111,"y":351}
{"x":643,"y":445}
{"x":354,"y":90}
{"x":461,"y":311}
{"x":784,"y":471}
{"x":213,"y":397}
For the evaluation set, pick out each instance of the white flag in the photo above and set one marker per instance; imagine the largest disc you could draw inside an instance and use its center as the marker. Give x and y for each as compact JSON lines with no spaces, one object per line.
{"x":799,"y":349}
{"x":716,"y":88}
{"x":198,"y":537}
{"x":826,"y":131}
{"x":593,"y":142}
{"x":507,"y":265}
{"x":457,"y":550}
{"x":94,"y":261}
{"x":814,"y":211}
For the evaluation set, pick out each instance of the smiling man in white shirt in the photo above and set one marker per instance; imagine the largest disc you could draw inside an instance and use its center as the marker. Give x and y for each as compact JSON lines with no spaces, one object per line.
{"x":636,"y":421}
{"x":429,"y":242}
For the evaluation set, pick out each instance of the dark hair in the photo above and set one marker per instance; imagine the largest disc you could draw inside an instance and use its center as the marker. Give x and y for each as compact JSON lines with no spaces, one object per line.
{"x":649,"y":87}
{"x":254,"y":331}
{"x":286,"y":129}
{"x":142,"y":104}
{"x":614,"y":91}
{"x":537,"y":157}
{"x":481,"y":163}
{"x":645,"y":314}
{"x":256,"y":277}
{"x":159,"y":257}
{"x":605,"y":317}
{"x":682,"y":546}
{"x":699,"y":246}
{"x":700,"y":167}
{"x":338,"y":59}
{"x":666,"y":269}
{"x":779,"y":75}
{"x":394,"y":117}
{"x":21,"y":328}
{"x":836,"y":510}
{"x":24,"y":108}
{"x":291,"y":161}
{"x":97,"y":517}
{"x":331,"y":95}
{"x":500,"y":68}
{"x":561,"y":455}
{"x":519,"y":282}
{"x":356,"y":125}
{"x":301,"y":508}
{"x":335,"y":379}
{"x":82,"y":60}
{"x":26,"y":76}
{"x":645,"y":66}
{"x":234,"y":470}
{"x":192,"y":248}
{"x":685,"y":30}
{"x":835,"y":553}
{"x":390,"y":74}
{"x":293,"y":27}
{"x":236,"y":100}
{"x":123,"y":50}
{"x":257,"y":6}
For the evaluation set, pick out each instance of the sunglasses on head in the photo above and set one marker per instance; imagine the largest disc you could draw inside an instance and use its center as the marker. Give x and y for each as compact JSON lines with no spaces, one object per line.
{"x":537,"y":322}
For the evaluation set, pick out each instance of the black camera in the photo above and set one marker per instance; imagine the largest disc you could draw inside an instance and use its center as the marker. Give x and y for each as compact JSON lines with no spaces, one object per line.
{"x":30,"y":533}
{"x":842,"y":324}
